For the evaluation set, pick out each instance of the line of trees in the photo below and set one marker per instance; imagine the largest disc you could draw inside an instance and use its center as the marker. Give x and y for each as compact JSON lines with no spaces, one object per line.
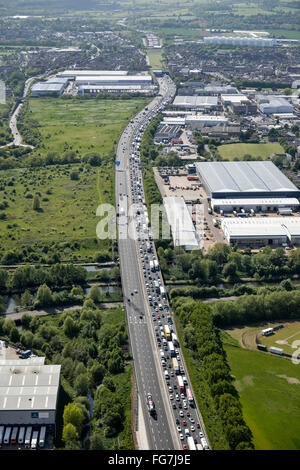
{"x":225,"y":262}
{"x":266,"y":306}
{"x":203,"y":341}
{"x":32,"y":276}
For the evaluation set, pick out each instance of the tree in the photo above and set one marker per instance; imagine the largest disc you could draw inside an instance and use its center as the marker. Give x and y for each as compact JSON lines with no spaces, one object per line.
{"x":97,"y":373}
{"x":74,"y":415}
{"x":96,"y":441}
{"x":44,"y":296}
{"x":14,"y":335}
{"x":69,"y":433}
{"x":36,"y":203}
{"x":81,"y":384}
{"x":70,"y":327}
{"x":94,"y":294}
{"x":27,"y":299}
{"x":74,"y":176}
{"x":230,"y":271}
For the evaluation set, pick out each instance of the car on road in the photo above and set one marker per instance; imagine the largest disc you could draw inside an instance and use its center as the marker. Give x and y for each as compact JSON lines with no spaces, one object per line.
{"x":179,"y":429}
{"x":171,"y":397}
{"x":181,"y":437}
{"x":188,"y":413}
{"x":177,"y":421}
{"x":182,"y":395}
{"x":181,"y":413}
{"x":193,"y":428}
{"x":192,"y":420}
{"x":174,"y":406}
{"x":185,"y":447}
{"x":198,"y":425}
{"x":184,"y":422}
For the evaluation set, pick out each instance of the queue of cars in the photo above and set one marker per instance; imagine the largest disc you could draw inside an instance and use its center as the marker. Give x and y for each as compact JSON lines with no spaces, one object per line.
{"x":184,"y":414}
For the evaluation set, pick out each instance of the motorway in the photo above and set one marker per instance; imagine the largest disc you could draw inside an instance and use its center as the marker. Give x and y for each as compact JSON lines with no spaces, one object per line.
{"x":175,"y":417}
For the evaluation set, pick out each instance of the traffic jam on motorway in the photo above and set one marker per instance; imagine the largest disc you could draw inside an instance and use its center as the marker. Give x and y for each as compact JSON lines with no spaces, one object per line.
{"x":188,"y":426}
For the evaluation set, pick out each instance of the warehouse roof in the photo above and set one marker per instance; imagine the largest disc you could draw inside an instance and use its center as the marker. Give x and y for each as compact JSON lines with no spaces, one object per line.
{"x":244,"y":177}
{"x":236,"y":99}
{"x":254,"y":227}
{"x":78,"y":73}
{"x":272,"y":201}
{"x":43,"y":86}
{"x":179,"y":218}
{"x":114,"y":78}
{"x":112,"y":87}
{"x":197,"y":101}
{"x":29,"y":387}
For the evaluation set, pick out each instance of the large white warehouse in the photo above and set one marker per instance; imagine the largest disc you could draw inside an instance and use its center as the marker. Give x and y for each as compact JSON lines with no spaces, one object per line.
{"x":183,"y":231}
{"x":114,"y":80}
{"x":274,"y":105}
{"x":241,"y":41}
{"x":260,"y":231}
{"x":233,"y":180}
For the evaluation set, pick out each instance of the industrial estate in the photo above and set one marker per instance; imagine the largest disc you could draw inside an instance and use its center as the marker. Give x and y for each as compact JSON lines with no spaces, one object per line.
{"x":150,"y":226}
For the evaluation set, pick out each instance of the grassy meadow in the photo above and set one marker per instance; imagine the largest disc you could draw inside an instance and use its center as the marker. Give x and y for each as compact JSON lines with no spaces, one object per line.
{"x":230,"y":151}
{"x":269,"y":393}
{"x":92,"y":125}
{"x":67,"y":217}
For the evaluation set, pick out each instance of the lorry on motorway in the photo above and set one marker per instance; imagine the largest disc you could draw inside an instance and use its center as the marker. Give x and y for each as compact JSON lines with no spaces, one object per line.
{"x":34,"y":439}
{"x":152,"y":266}
{"x":190,"y":397}
{"x":156,"y":285}
{"x":199,"y":447}
{"x":185,"y":380}
{"x":167,"y":332}
{"x":190,"y":442}
{"x":171,"y":348}
{"x":175,"y":365}
{"x":156,"y":266}
{"x":150,"y":402}
{"x":149,"y":248}
{"x":163,"y":292}
{"x":180,"y":384}
{"x":175,"y":340}
{"x":204,"y":443}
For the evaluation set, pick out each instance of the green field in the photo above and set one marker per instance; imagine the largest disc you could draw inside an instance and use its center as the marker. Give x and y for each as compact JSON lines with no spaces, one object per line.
{"x":155,"y":60}
{"x":68,"y":207}
{"x":269,"y":390}
{"x":230,"y":151}
{"x":284,"y":337}
{"x":84,"y":125}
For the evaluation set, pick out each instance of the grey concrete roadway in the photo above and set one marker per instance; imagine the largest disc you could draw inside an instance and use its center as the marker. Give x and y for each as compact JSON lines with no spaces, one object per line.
{"x":161,"y":432}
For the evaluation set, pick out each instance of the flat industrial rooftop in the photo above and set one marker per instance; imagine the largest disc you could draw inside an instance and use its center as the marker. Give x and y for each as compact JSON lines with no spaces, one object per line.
{"x":244,"y":179}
